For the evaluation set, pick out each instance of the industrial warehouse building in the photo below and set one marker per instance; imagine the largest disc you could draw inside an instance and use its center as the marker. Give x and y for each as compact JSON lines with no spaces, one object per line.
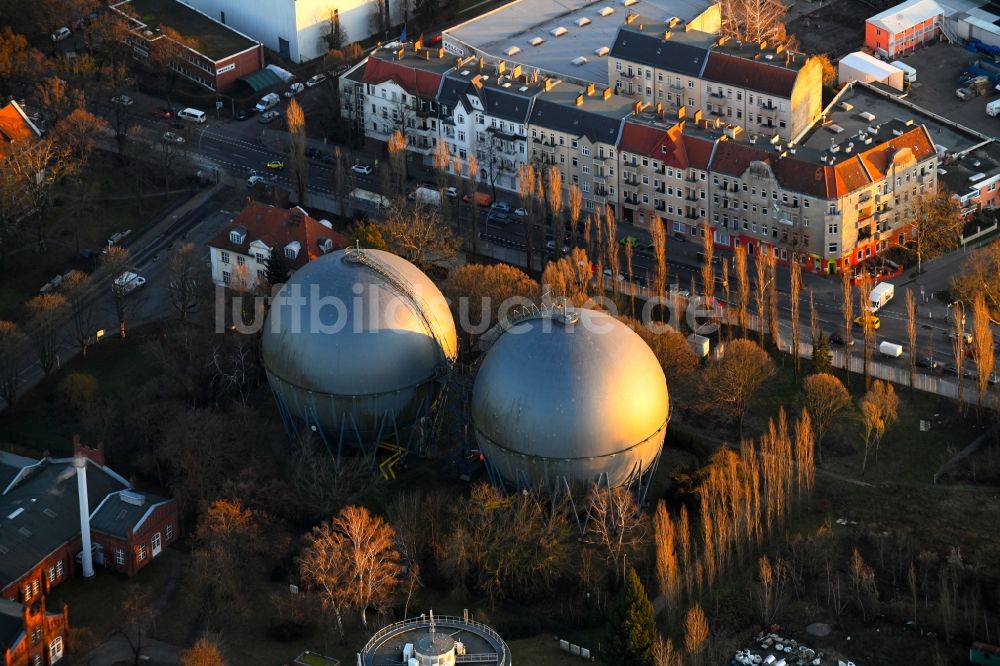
{"x":909,"y":25}
{"x":40,"y":535}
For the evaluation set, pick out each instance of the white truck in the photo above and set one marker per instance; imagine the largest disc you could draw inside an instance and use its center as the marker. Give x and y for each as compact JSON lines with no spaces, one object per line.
{"x":426,"y":196}
{"x":268,"y":101}
{"x":128,"y":282}
{"x":890,"y":349}
{"x":909,"y":73}
{"x":373,"y":199}
{"x":993,"y":108}
{"x":881,"y":294}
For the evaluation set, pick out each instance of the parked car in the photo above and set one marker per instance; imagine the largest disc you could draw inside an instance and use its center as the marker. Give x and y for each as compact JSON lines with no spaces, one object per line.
{"x":313,"y":153}
{"x":162,"y":113}
{"x":451,"y":192}
{"x":255,"y":179}
{"x":294,"y":89}
{"x":501,"y":205}
{"x":60,"y":34}
{"x":122,"y":100}
{"x":315,"y":80}
{"x":926,"y":362}
{"x":275,"y":165}
{"x":171,"y":137}
{"x":269,"y":117}
{"x":679,"y":236}
{"x":498,"y":216}
{"x":608,"y":273}
{"x":244,"y":114}
{"x":520,"y":212}
{"x":363,"y":169}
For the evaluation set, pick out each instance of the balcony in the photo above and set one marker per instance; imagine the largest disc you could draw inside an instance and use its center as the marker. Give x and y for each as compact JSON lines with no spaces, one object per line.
{"x":660,"y":206}
{"x":718,"y":94}
{"x":660,"y":189}
{"x":866,"y":212}
{"x":691,"y":178}
{"x":767,"y":106}
{"x":691,"y":196}
{"x":691,"y":215}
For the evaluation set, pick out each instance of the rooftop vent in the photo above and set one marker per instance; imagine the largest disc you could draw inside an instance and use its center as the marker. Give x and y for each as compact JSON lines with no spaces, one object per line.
{"x":514,"y":50}
{"x":606,"y":11}
{"x":464,"y":72}
{"x":582,"y":21}
{"x":942,"y":172}
{"x":535,"y":41}
{"x":523,"y":88}
{"x":673,"y":21}
{"x":602,"y":51}
{"x":506,"y":84}
{"x":976,"y":177}
{"x":897,"y":132}
{"x":133,"y":498}
{"x":834,"y":128}
{"x":559,"y":32}
{"x":768,"y":56}
{"x":846,"y":106}
{"x":868,"y":116}
{"x":629,"y":3}
{"x":580,"y":60}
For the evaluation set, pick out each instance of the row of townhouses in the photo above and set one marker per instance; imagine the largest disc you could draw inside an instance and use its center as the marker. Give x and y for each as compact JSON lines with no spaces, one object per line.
{"x":692,"y":131}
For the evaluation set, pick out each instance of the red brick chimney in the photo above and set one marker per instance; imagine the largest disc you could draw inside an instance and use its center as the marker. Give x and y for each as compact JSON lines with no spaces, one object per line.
{"x":96,"y":455}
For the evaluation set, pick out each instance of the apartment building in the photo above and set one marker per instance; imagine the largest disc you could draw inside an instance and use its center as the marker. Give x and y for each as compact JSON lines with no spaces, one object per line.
{"x":764,"y":89}
{"x":240,"y":252}
{"x":577,"y":130}
{"x":397,"y":89}
{"x":973,"y":178}
{"x":664,"y":174}
{"x":485,"y":112}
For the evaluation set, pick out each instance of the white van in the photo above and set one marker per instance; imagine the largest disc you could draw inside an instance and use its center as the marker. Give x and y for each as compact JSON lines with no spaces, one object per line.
{"x":909,"y":73}
{"x":192,"y":115}
{"x":268,"y":101}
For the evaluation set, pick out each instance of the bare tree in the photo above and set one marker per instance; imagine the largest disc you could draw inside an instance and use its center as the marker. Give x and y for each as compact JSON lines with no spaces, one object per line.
{"x":879,"y":410}
{"x":982,"y":334}
{"x":554,"y":197}
{"x":731,"y":382}
{"x":795,"y":287}
{"x":980,"y":274}
{"x":772,"y":580}
{"x":771,"y":261}
{"x":613,"y":247}
{"x":234,"y":368}
{"x":205,"y":652}
{"x":77,"y":287}
{"x":826,"y":399}
{"x":417,"y":233}
{"x":696,"y":634}
{"x":760,"y":296}
{"x":355,"y":552}
{"x":526,"y":177}
{"x":296,"y":120}
{"x":742,"y":287}
{"x":665,"y":654}
{"x":865,"y":283}
{"x":936,"y":225}
{"x":615,"y":525}
{"x":754,"y":20}
{"x":138,"y":613}
{"x":46,"y":317}
{"x":911,"y":334}
{"x":658,"y":236}
{"x":813,"y":319}
{"x":397,"y":161}
{"x":35,"y":169}
{"x":341,"y":180}
{"x":958,"y":343}
{"x":478,"y":291}
{"x":188,"y":280}
{"x":12,"y":345}
{"x":847,"y":309}
{"x":116,"y":262}
{"x":473,"y":165}
{"x":667,"y":565}
{"x":707,"y":271}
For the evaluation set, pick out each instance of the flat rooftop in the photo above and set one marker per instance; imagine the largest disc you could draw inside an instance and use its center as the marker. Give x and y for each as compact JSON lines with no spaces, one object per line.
{"x":965,"y":173}
{"x":525,"y":32}
{"x":208,"y":37}
{"x":890,"y":114}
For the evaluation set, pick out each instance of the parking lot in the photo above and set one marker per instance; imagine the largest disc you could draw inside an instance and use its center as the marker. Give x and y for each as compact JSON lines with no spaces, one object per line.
{"x":938,"y":68}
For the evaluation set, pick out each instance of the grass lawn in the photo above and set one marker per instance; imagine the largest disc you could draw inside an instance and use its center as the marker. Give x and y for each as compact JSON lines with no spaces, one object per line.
{"x":34,"y":424}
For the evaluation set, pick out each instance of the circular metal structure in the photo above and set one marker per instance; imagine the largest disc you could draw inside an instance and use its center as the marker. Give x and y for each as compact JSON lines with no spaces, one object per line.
{"x":573,"y":396}
{"x":435,"y":640}
{"x":354,"y":345}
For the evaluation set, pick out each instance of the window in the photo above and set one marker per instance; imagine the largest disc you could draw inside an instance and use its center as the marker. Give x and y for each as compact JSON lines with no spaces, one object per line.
{"x":36,"y":636}
{"x":240,"y":260}
{"x":480,"y":120}
{"x":55,"y":649}
{"x":290,"y":252}
{"x":586,"y":169}
{"x":234,"y":237}
{"x":574,"y":161}
{"x":831,"y":248}
{"x":224,"y":257}
{"x":573,"y":143}
{"x":52,"y":574}
{"x":36,"y":660}
{"x":140,"y":553}
{"x":59,"y":569}
{"x":120,"y":557}
{"x":226,"y":277}
{"x":170,"y":532}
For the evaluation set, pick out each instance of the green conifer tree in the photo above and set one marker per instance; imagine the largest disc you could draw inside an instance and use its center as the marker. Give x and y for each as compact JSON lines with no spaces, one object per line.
{"x":821,"y":355}
{"x":633,"y":630}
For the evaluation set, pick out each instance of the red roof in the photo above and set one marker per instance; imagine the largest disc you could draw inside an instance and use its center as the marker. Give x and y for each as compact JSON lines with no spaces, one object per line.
{"x":698,"y":151}
{"x":415,"y":81}
{"x":758,"y":75}
{"x":276,"y":228}
{"x":14,"y":127}
{"x":667,"y":146}
{"x":907,"y":148}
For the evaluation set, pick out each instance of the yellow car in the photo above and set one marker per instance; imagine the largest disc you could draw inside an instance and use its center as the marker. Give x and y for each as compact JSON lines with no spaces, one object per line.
{"x":872,"y":320}
{"x":275,"y":164}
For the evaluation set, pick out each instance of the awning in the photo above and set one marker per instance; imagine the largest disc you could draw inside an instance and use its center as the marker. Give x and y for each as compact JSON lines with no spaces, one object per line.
{"x":260,"y":80}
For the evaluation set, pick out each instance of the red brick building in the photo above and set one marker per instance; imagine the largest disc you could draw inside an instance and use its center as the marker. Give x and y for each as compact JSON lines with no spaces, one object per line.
{"x":31,"y":636}
{"x":214,"y":55}
{"x":40,"y":538}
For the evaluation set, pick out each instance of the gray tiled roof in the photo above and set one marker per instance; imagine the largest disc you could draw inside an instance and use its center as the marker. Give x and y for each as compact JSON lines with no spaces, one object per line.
{"x":507,"y":105}
{"x":453,"y":90}
{"x":47,"y":511}
{"x":597,"y":119}
{"x":10,"y":466}
{"x":117,"y":517}
{"x":673,"y":54}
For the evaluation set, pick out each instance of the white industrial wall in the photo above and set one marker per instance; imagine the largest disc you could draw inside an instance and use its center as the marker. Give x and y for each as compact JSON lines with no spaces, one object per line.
{"x":303,"y":23}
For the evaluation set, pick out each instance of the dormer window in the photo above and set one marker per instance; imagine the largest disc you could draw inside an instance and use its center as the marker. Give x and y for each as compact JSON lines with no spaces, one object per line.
{"x":292,"y":249}
{"x":237,"y":235}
